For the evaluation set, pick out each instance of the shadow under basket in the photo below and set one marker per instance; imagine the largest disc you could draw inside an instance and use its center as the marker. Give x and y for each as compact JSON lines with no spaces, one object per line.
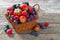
{"x":22,"y":27}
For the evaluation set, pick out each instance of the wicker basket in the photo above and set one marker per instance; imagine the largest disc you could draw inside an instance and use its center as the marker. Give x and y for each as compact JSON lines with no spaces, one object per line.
{"x":25,"y":26}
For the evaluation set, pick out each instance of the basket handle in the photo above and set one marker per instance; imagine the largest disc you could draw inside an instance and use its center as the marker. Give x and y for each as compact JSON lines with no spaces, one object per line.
{"x":38,"y":7}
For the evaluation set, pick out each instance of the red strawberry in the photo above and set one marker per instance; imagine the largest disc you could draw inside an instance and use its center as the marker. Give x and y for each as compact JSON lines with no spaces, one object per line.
{"x":45,"y":24}
{"x":19,"y":14}
{"x":22,"y":19}
{"x":9,"y":8}
{"x":16,"y":17}
{"x":17,"y":11}
{"x":36,"y":28}
{"x":31,"y":17}
{"x":24,"y":13}
{"x":24,"y":6}
{"x":11,"y":12}
{"x":9,"y":31}
{"x":30,"y":10}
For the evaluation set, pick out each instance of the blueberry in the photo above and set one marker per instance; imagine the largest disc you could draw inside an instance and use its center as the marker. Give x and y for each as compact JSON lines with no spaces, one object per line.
{"x":28,"y":15}
{"x":26,"y":3}
{"x":7,"y":26}
{"x":15,"y":22}
{"x":41,"y":25}
{"x":34,"y":16}
{"x":33,"y":9}
{"x":15,"y":6}
{"x":34,"y":33}
{"x":28,"y":19}
{"x":5,"y":29}
{"x":33,"y":13}
{"x":12,"y":16}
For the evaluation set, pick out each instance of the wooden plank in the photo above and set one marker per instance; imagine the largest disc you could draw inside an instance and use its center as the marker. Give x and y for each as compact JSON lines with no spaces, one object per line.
{"x":41,"y":37}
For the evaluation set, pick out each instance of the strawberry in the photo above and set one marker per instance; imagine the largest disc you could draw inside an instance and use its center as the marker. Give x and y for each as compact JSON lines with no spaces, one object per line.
{"x":24,"y":7}
{"x":9,"y":8}
{"x":23,"y":19}
{"x":30,"y":10}
{"x":24,"y":13}
{"x":36,"y":28}
{"x":9,"y":31}
{"x":17,"y":12}
{"x":11,"y":12}
{"x":45,"y":24}
{"x":31,"y":17}
{"x":16,"y":18}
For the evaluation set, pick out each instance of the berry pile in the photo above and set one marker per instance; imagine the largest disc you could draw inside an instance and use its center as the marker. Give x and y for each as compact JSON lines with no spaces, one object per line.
{"x":21,"y":13}
{"x":37,"y":27}
{"x":8,"y":30}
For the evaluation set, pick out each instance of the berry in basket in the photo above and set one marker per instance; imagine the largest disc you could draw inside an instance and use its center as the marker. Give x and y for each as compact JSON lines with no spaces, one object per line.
{"x":21,"y":13}
{"x":12,"y":16}
{"x":16,"y":22}
{"x":30,"y":9}
{"x":24,"y":13}
{"x":15,"y":6}
{"x":24,"y":7}
{"x":9,"y":8}
{"x":22,"y":19}
{"x":16,"y":18}
{"x":28,"y":19}
{"x":11,"y":12}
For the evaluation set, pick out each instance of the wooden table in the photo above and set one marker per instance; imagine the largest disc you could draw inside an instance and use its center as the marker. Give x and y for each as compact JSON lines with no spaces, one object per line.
{"x":50,"y":33}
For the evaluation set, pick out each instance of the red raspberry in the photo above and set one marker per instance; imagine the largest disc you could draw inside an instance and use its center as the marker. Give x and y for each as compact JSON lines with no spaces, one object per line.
{"x":9,"y":31}
{"x":11,"y":12}
{"x":9,"y":8}
{"x":16,"y":17}
{"x":30,"y":10}
{"x":24,"y":13}
{"x":45,"y":24}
